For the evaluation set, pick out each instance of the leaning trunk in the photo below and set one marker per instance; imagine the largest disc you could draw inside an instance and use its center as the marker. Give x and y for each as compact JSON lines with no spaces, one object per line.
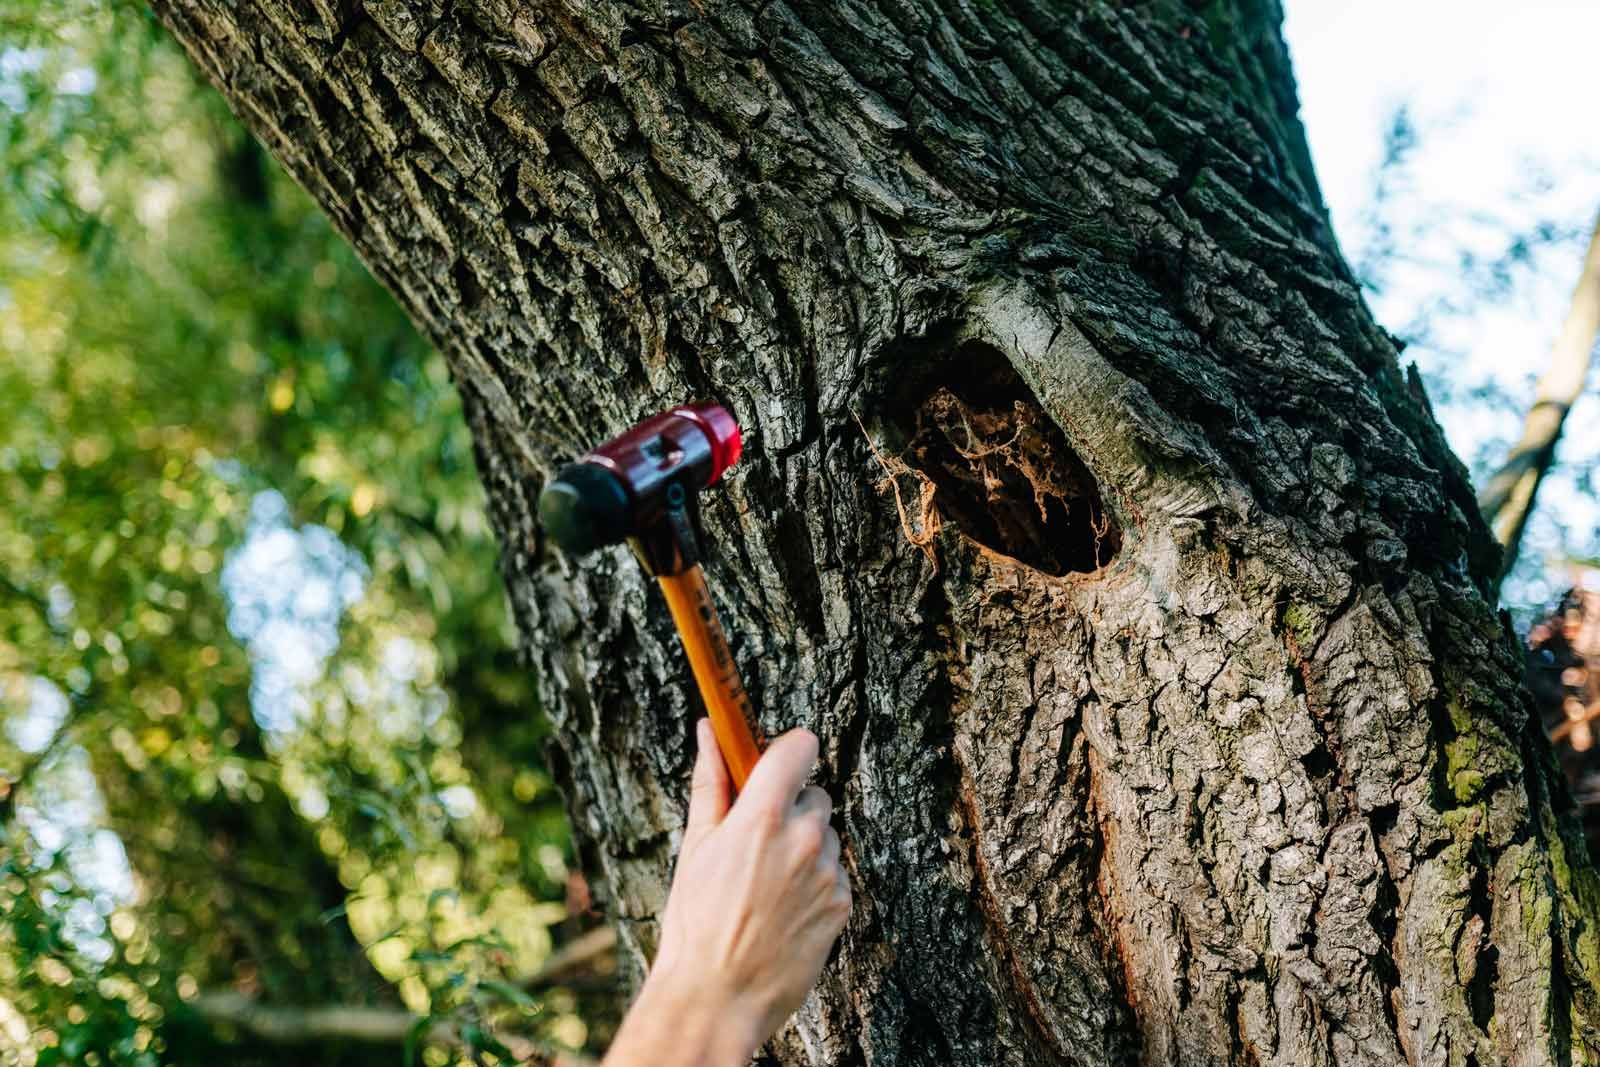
{"x":1086,"y":515}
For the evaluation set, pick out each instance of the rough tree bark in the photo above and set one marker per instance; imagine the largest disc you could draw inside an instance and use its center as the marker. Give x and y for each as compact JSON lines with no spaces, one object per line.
{"x":1169,"y":716}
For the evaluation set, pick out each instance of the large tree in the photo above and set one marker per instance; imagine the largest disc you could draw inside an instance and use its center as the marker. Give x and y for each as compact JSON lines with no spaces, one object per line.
{"x":1087,"y":514}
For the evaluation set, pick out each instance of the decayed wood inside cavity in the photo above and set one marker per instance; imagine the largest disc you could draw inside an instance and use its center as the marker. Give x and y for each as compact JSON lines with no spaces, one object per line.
{"x":1002,"y":471}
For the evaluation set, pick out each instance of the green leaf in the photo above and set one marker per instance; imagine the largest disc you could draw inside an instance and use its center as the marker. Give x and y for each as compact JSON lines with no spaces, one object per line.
{"x":509,"y":992}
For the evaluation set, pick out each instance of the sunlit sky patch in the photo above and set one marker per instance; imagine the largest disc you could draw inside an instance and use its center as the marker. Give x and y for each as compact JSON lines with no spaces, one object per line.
{"x":64,"y":816}
{"x":1500,"y":96}
{"x":287,"y":589}
{"x":33,"y":730}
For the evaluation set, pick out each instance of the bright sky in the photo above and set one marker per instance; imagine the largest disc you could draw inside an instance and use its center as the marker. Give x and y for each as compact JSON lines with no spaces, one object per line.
{"x":1502,"y":95}
{"x":1523,"y":75}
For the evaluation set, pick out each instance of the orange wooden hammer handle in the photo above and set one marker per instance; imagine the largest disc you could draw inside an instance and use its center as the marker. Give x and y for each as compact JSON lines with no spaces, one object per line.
{"x":728,"y":704}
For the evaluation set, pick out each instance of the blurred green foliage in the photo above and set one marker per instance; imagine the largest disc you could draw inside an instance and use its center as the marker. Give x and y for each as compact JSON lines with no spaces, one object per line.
{"x":262,"y":728}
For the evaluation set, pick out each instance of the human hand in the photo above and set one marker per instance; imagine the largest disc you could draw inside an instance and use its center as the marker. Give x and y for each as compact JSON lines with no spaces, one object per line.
{"x":757,"y":901}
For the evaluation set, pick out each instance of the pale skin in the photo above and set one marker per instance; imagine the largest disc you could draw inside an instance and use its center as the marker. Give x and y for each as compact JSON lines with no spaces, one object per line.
{"x":758,"y":899}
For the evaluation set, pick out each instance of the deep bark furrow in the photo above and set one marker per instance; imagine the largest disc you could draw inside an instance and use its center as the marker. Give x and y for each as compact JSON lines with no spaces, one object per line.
{"x":1194,"y":780}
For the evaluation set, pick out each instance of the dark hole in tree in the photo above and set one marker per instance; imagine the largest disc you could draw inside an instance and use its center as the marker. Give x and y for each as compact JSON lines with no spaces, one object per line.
{"x":1002,"y":469}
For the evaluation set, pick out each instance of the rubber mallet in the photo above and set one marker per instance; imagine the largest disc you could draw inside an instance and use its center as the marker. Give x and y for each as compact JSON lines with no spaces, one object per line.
{"x":642,"y":487}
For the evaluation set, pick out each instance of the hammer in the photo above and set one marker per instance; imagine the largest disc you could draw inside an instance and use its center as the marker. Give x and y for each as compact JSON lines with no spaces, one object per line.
{"x":641,"y":486}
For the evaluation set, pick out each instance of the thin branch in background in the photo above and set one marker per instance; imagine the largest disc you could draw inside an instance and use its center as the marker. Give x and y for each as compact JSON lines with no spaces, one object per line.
{"x":377,"y":1026}
{"x":591,"y":951}
{"x":1508,"y":496}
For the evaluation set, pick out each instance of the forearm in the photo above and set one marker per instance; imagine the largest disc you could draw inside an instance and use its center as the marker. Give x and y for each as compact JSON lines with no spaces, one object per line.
{"x":681,"y":1023}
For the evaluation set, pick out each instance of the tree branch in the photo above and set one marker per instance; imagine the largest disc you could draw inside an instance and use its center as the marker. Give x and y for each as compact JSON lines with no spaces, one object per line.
{"x":391,"y":1026}
{"x":378,"y":1026}
{"x":576,"y":955}
{"x":1508,"y":496}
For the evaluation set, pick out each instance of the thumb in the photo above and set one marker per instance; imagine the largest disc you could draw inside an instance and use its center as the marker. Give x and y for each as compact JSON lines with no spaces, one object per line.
{"x":781,"y":772}
{"x":710,"y":790}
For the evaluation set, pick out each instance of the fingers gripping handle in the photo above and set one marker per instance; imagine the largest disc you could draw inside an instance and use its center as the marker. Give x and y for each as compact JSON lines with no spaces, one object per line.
{"x":717,"y":675}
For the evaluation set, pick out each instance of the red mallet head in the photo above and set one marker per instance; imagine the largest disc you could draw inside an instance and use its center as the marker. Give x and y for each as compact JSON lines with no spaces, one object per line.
{"x":640,"y":486}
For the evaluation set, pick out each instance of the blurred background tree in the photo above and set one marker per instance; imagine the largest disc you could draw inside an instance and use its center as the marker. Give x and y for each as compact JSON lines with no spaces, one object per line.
{"x":265,"y":739}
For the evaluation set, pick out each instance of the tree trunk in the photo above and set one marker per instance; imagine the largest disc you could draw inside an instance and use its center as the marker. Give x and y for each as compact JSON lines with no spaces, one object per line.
{"x":1233,"y":767}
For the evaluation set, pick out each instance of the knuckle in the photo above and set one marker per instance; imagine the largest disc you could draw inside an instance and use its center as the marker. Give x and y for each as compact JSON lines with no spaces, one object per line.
{"x":817,"y":820}
{"x":816,"y":797}
{"x":808,"y":838}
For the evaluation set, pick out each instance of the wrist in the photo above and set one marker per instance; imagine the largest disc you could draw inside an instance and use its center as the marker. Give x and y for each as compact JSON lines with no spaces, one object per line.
{"x":686,"y":1019}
